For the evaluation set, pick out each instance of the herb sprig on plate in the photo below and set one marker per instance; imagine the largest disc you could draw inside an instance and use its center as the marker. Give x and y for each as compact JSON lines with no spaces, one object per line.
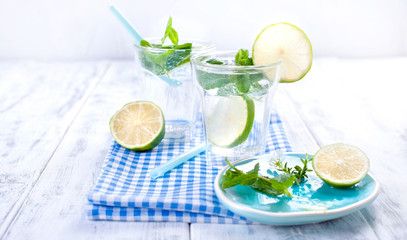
{"x":271,"y":186}
{"x":274,"y":186}
{"x":299,"y":172}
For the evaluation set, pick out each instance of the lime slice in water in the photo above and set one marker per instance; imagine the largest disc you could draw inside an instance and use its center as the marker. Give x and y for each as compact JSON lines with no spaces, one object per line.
{"x":138,"y":126}
{"x":286,"y":43}
{"x":228,"y":120}
{"x":340,"y":165}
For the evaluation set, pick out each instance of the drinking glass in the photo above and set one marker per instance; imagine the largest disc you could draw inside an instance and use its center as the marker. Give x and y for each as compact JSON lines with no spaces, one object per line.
{"x":166,"y":79}
{"x":236,"y":105}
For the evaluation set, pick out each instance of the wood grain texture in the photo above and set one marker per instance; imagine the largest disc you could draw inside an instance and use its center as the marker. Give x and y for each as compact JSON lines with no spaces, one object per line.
{"x":349,"y":227}
{"x":362,"y":102}
{"x":298,"y":134}
{"x":302,"y":139}
{"x":49,"y":166}
{"x":37,"y":105}
{"x":56,"y":207}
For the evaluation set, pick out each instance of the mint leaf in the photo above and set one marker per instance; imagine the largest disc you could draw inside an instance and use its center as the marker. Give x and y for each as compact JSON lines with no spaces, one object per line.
{"x":270,"y":186}
{"x":210,"y":80}
{"x":264,"y":186}
{"x":160,"y":46}
{"x":246,"y":80}
{"x":241,"y":83}
{"x":154,"y":62}
{"x":251,"y":176}
{"x":144,"y":43}
{"x":243,"y":80}
{"x":160,"y":62}
{"x":214,"y":61}
{"x":282,"y":182}
{"x":242,"y":58}
{"x":177,"y":58}
{"x":232,"y":178}
{"x":274,"y":186}
{"x":170,"y":33}
{"x":235,"y":177}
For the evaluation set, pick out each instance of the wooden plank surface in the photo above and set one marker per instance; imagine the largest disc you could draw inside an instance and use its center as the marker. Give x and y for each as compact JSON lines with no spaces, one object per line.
{"x":349,"y":227}
{"x":38,"y":102}
{"x":56,"y":207}
{"x":363,"y":102}
{"x":352,"y":101}
{"x":353,"y":226}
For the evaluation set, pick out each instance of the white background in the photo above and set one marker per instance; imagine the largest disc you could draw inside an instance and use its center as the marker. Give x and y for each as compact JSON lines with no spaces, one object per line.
{"x":86,"y":30}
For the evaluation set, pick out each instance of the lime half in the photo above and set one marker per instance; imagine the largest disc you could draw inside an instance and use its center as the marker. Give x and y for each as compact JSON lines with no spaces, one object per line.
{"x":340,"y":165}
{"x":138,"y":126}
{"x":286,"y":43}
{"x":228,"y":120}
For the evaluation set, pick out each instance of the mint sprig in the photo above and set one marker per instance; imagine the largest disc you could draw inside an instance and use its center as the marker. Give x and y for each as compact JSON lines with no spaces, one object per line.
{"x":243,"y":81}
{"x":242,"y":58}
{"x":297,"y":171}
{"x":270,"y":186}
{"x":161,"y":63}
{"x":170,"y":33}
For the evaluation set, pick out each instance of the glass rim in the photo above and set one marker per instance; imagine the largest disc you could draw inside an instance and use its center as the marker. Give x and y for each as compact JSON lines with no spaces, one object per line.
{"x":202,"y":46}
{"x":196,"y":60}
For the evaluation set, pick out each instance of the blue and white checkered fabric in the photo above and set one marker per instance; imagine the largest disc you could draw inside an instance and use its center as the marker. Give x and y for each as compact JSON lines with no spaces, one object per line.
{"x":125,"y":191}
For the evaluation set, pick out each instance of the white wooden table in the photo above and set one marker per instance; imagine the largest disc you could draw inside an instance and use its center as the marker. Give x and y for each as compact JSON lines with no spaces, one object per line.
{"x":54,"y":136}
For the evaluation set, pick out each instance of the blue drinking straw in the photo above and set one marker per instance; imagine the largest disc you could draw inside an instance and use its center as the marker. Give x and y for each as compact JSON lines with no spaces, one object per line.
{"x":123,"y":20}
{"x":171,"y":164}
{"x":130,"y":28}
{"x":170,"y":81}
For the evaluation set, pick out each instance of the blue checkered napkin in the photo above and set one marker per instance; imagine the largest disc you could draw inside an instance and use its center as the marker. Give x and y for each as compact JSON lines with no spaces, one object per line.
{"x":125,"y":191}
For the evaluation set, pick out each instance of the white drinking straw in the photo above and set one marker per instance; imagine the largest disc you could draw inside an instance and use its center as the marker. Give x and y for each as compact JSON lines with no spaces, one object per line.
{"x":171,"y":164}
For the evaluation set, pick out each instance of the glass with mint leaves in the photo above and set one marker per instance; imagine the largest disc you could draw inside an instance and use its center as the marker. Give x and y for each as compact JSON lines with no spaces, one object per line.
{"x":163,"y":66}
{"x":236,"y":97}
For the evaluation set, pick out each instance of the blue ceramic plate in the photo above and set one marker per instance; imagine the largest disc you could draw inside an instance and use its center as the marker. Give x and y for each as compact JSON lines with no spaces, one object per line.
{"x":312,"y":201}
